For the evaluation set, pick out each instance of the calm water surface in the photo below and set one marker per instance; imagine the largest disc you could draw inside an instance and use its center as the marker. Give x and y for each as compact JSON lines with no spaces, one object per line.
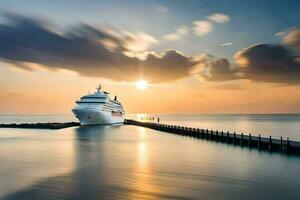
{"x":129,"y":162}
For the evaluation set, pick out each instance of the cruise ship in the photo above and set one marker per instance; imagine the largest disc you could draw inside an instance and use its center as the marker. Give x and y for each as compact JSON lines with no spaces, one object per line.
{"x":98,"y":108}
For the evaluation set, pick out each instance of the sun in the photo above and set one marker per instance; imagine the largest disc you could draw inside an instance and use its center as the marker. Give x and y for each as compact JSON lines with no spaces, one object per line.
{"x":141,"y":84}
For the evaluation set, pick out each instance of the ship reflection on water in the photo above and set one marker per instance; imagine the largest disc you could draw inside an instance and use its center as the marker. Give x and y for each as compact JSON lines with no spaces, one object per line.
{"x":128,"y":162}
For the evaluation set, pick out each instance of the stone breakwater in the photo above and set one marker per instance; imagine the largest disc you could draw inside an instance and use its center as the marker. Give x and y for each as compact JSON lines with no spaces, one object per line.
{"x":41,"y":125}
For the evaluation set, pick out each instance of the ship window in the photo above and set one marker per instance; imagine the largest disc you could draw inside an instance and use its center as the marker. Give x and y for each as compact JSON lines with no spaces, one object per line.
{"x":88,"y":103}
{"x":93,"y":97}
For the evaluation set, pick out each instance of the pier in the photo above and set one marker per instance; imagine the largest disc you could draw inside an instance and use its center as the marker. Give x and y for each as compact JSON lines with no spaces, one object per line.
{"x":240,"y":139}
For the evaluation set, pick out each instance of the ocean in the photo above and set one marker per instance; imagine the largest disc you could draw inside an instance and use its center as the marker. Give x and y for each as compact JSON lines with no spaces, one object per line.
{"x":130,"y":162}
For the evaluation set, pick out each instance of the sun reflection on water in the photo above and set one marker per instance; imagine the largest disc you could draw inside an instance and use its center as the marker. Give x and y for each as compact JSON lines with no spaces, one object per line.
{"x":143,"y":183}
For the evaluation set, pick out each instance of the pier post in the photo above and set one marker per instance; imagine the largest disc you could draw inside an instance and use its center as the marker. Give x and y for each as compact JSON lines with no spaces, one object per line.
{"x":217,"y":133}
{"x":227,"y":136}
{"x":211,"y":134}
{"x":222,"y":135}
{"x":249,"y":143}
{"x":198,"y":133}
{"x":259,"y":139}
{"x":234,"y":136}
{"x":281,"y":147}
{"x":207,"y":134}
{"x":270,"y":143}
{"x":242,"y":137}
{"x":288,"y":145}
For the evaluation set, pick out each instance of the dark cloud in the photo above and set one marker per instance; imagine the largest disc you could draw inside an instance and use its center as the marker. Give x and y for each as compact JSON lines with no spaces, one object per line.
{"x":293,"y":38}
{"x":89,"y":51}
{"x":220,"y":70}
{"x":262,"y":62}
{"x":268,"y":63}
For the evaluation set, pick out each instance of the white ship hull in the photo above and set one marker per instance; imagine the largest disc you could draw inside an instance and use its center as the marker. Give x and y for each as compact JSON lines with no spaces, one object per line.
{"x":98,"y":108}
{"x":92,"y":117}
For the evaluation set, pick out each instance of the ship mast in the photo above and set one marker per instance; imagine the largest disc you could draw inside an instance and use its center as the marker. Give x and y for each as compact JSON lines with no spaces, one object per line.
{"x":98,"y":88}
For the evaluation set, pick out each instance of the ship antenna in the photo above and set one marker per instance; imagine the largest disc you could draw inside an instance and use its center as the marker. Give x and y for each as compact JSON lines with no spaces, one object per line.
{"x":99,"y":88}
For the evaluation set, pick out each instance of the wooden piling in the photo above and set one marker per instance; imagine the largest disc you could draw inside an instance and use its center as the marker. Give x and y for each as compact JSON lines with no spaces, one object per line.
{"x":270,"y":143}
{"x":259,"y":140}
{"x":249,"y":143}
{"x":242,"y":138}
{"x":198,"y":133}
{"x":234,"y":137}
{"x":281,"y":146}
{"x":227,"y":136}
{"x":287,"y":145}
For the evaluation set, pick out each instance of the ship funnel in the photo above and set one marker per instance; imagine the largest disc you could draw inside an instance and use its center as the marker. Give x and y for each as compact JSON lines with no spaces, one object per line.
{"x":115,"y":98}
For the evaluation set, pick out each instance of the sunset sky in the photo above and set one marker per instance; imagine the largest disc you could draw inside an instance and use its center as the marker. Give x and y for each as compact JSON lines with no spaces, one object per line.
{"x":198,"y":56}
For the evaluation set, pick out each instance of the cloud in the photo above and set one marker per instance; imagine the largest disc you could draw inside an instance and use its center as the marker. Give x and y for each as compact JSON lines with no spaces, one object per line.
{"x":138,"y":42}
{"x":280,"y":33}
{"x":269,"y":63}
{"x":126,"y":56}
{"x":261,"y":63}
{"x":292,"y":38}
{"x":179,"y":33}
{"x":227,"y":44}
{"x":202,"y":27}
{"x":90,"y":51}
{"x":219,"y":18}
{"x":220,"y":70}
